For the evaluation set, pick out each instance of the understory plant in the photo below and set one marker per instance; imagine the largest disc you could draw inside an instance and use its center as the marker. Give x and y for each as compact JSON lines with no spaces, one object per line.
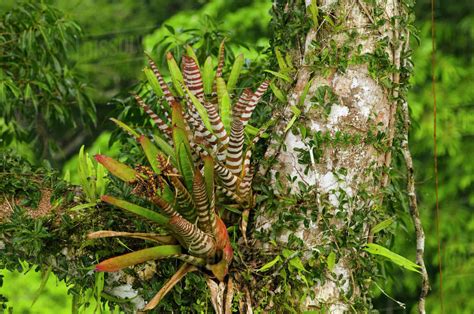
{"x":198,"y":164}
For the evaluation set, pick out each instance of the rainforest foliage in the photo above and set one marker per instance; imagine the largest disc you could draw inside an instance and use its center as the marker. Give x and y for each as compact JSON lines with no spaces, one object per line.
{"x":67,"y":68}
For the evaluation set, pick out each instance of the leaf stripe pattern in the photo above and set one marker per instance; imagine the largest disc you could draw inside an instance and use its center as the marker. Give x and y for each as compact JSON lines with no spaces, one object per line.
{"x":216,"y":123}
{"x":157,"y":120}
{"x":205,"y":219}
{"x":185,"y":201}
{"x":192,"y":77}
{"x":196,"y":261}
{"x":242,"y":102}
{"x":230,"y":194}
{"x":166,"y":91}
{"x":234,"y":151}
{"x":164,"y":206}
{"x":247,"y":112}
{"x":220,"y":65}
{"x":246,"y":184}
{"x":191,"y":237}
{"x":228,"y":179}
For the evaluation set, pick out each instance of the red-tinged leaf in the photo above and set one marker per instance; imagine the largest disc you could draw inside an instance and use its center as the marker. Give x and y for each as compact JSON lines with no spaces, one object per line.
{"x":182,"y":271}
{"x":118,"y":169}
{"x":138,"y":257}
{"x":138,"y":210}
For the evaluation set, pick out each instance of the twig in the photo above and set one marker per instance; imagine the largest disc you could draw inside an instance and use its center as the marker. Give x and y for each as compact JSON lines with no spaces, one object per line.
{"x":414,"y":212}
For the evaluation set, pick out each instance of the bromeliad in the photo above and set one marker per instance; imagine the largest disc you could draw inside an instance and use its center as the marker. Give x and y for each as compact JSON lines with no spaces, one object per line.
{"x":199,"y":154}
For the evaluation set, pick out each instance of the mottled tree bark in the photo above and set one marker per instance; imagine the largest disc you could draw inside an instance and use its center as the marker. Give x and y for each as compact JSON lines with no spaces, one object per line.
{"x":345,"y":180}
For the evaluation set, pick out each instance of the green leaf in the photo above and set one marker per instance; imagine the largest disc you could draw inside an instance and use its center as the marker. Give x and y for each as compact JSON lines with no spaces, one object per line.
{"x":270,"y":264}
{"x":331,"y":261}
{"x":208,"y":76}
{"x":281,"y":62}
{"x":136,"y":209}
{"x":166,"y":148}
{"x":153,"y":81}
{"x":251,"y":130}
{"x":297,"y":263}
{"x":382,"y":225}
{"x":82,"y":206}
{"x":224,"y":103}
{"x":190,"y":52}
{"x":138,"y":257}
{"x":376,"y":249}
{"x":280,"y":75}
{"x":296,"y":114}
{"x":278,"y":93}
{"x":185,"y":163}
{"x":151,"y":152}
{"x":314,"y":10}
{"x":235,"y":72}
{"x":305,"y":92}
{"x":126,"y":128}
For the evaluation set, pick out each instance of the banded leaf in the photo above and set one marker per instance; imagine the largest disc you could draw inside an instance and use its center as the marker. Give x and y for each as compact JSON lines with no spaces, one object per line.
{"x":164,"y":87}
{"x":162,"y":125}
{"x":205,"y":218}
{"x":192,"y":78}
{"x":233,"y":160}
{"x":220,"y":58}
{"x":247,"y":112}
{"x":192,"y":238}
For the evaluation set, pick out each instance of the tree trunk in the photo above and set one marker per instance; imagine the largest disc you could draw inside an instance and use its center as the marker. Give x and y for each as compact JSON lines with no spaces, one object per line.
{"x":331,"y":164}
{"x":320,"y":187}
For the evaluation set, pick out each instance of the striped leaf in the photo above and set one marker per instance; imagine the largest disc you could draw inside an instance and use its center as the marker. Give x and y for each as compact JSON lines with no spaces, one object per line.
{"x":216,"y":125}
{"x":199,"y":108}
{"x":227,"y":178}
{"x":192,"y":78}
{"x":164,"y":87}
{"x":153,"y":81}
{"x":138,"y":257}
{"x":190,"y":52}
{"x":187,"y":208}
{"x":192,"y":238}
{"x":162,"y":125}
{"x":220,"y":58}
{"x":233,"y":159}
{"x":242,"y":103}
{"x":138,"y":210}
{"x":205,"y":217}
{"x":118,"y":169}
{"x":247,"y":112}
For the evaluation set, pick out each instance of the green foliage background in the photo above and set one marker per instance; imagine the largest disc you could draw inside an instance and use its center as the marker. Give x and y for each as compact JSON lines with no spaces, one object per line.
{"x":109,"y":58}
